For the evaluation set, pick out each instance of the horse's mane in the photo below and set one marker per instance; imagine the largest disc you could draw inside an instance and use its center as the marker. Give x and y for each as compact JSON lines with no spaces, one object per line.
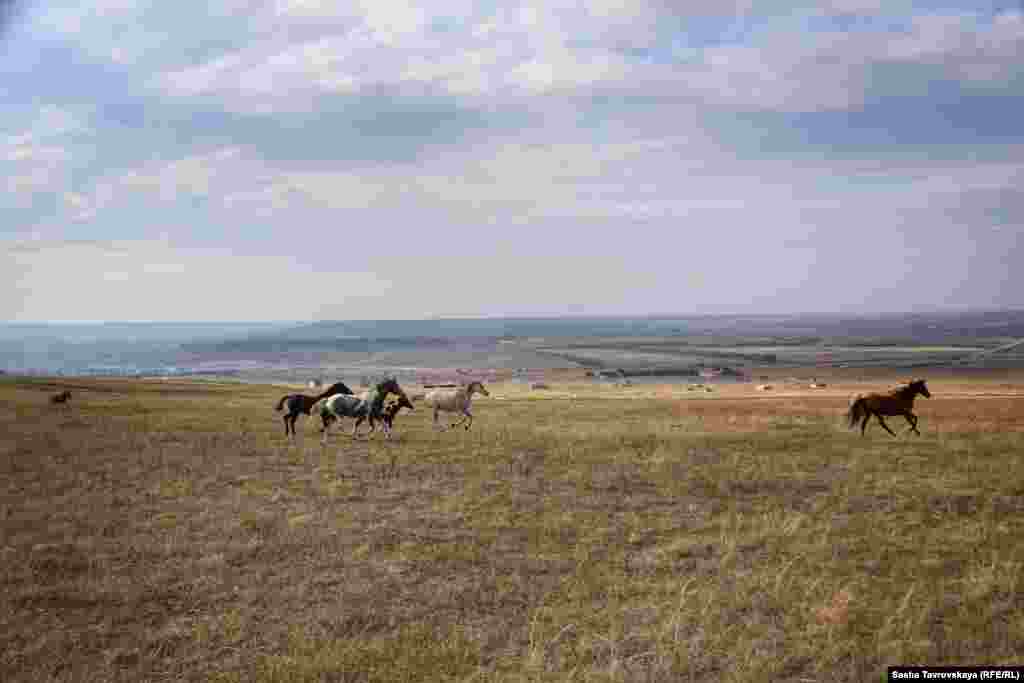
{"x":910,"y":387}
{"x":336,"y":388}
{"x":378,"y":395}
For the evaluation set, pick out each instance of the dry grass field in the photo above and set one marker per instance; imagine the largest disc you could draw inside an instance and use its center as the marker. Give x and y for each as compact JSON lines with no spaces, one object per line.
{"x":168,"y":531}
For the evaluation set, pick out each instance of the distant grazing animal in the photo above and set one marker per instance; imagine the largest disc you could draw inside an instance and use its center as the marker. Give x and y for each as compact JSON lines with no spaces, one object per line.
{"x":300,"y":404}
{"x":896,"y":402}
{"x":458,"y":401}
{"x":764,"y":387}
{"x":62,"y":397}
{"x":369,"y":406}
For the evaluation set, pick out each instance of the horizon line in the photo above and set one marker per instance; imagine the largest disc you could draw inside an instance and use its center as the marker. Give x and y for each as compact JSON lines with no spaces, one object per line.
{"x":562,"y":316}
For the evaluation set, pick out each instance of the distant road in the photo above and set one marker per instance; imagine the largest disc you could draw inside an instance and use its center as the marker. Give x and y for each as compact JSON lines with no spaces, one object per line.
{"x":1004,"y":347}
{"x":989,"y":352}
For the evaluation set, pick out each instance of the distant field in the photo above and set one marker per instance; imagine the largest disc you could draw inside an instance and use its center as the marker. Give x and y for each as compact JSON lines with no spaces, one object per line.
{"x":642,"y":353}
{"x":167,"y":531}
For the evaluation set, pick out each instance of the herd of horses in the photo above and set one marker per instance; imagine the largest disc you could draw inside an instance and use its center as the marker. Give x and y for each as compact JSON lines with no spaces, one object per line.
{"x":338,"y":401}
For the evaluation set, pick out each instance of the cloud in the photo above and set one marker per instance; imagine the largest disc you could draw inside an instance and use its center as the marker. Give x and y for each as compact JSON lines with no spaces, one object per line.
{"x":35,"y":153}
{"x":216,"y":171}
{"x":148,"y":280}
{"x":646,"y":49}
{"x":501,"y":157}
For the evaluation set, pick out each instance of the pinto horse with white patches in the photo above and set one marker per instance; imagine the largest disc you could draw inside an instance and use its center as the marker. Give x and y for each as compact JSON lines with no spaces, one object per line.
{"x":458,"y":401}
{"x":369,"y":406}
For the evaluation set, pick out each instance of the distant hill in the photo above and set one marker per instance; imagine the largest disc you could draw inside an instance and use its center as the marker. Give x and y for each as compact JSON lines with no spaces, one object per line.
{"x":483,"y":333}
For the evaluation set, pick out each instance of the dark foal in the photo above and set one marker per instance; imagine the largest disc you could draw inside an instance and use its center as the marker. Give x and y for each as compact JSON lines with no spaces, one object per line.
{"x":62,"y":397}
{"x":390,"y":410}
{"x":300,"y":404}
{"x":896,"y":402}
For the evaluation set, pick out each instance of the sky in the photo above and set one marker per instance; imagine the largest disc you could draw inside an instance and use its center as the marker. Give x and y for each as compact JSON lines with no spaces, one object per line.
{"x":382,"y":159}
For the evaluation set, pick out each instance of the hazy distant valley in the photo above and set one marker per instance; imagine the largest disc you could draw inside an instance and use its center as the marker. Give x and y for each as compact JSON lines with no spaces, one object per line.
{"x":635,"y":346}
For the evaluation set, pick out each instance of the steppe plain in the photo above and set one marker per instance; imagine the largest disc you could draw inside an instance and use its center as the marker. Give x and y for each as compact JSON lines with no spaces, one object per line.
{"x":160,"y":530}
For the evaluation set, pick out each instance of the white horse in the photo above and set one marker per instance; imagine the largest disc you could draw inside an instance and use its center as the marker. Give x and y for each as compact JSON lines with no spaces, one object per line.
{"x":457,"y":401}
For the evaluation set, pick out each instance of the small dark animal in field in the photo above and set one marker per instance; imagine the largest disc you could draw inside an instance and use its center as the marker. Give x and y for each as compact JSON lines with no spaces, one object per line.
{"x":300,"y":404}
{"x":896,"y":402}
{"x":62,"y":397}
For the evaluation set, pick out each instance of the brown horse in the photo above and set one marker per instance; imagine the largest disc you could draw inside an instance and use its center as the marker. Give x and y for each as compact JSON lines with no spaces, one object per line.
{"x":62,"y":397}
{"x":896,"y":402}
{"x":390,"y":410}
{"x":300,"y":404}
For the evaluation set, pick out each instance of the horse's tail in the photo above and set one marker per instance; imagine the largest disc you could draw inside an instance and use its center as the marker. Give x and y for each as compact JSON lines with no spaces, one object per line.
{"x":857,"y":411}
{"x":280,"y":404}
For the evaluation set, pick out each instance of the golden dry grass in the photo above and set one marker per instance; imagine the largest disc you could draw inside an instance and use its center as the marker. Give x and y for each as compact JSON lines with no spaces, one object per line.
{"x":157,"y":531}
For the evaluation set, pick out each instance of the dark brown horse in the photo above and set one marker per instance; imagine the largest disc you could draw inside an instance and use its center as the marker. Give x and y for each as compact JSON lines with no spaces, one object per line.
{"x":300,"y":404}
{"x":896,"y":402}
{"x":391,"y":409}
{"x":62,"y":397}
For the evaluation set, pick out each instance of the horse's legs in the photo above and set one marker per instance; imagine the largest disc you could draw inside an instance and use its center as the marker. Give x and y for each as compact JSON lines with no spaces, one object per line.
{"x":468,"y":420}
{"x":864,"y":423}
{"x":912,"y":419}
{"x":285,"y":419}
{"x":436,"y":424}
{"x":355,"y":427}
{"x":882,"y":422}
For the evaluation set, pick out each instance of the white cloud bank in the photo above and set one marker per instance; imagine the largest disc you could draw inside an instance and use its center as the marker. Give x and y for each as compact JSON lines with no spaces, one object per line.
{"x":153,"y":280}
